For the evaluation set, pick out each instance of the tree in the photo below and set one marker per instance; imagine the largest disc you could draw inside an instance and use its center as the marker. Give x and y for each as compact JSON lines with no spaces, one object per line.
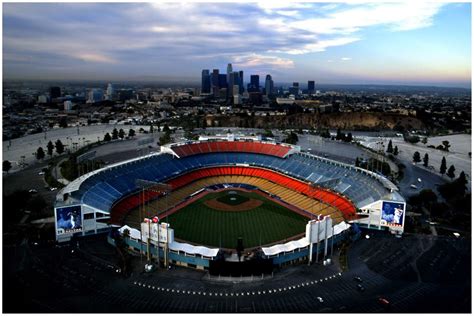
{"x":151,"y":128}
{"x":426,"y":159}
{"x":121,"y":134}
{"x":7,"y":165}
{"x":390,"y":147}
{"x":166,"y":128}
{"x":115,"y":134}
{"x":349,"y":137}
{"x":165,"y":139}
{"x":462,"y":181}
{"x":339,"y":134}
{"x":59,"y":147}
{"x":40,"y":153}
{"x":131,"y":133}
{"x":107,"y":137}
{"x":63,"y":122}
{"x":416,"y":157}
{"x":50,"y":148}
{"x":446,"y":145}
{"x":451,"y":172}
{"x":395,"y":150}
{"x":424,"y":140}
{"x":357,"y":162}
{"x":442,"y":168}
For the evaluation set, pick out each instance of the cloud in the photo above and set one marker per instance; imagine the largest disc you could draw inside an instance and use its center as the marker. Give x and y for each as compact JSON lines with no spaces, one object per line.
{"x":264,"y":61}
{"x":95,"y":58}
{"x":152,"y":37}
{"x":346,"y":58}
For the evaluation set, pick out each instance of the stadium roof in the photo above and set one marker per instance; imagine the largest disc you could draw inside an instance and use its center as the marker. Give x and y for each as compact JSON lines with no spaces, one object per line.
{"x":177,"y":246}
{"x":300,"y":243}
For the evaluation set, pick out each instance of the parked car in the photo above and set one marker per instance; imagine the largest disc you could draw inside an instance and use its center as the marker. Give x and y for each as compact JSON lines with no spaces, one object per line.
{"x":33,"y":191}
{"x":360,"y":287}
{"x":358,"y":279}
{"x":320,"y":299}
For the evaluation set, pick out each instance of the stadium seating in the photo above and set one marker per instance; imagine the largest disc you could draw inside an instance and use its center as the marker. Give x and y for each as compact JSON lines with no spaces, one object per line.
{"x":189,"y":149}
{"x":292,"y":198}
{"x":339,"y":186}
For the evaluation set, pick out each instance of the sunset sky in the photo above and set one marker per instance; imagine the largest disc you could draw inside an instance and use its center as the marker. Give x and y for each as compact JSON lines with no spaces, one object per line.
{"x":384,"y":43}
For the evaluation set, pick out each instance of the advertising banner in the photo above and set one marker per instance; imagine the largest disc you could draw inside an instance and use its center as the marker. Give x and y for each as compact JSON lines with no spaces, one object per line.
{"x":392,"y":214}
{"x":68,"y":220}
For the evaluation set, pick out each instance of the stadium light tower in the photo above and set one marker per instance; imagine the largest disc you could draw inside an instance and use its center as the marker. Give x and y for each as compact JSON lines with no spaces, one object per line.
{"x":158,"y":187}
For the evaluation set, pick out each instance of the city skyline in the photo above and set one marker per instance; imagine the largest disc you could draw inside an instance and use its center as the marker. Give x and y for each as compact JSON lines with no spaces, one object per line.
{"x":398,"y":43}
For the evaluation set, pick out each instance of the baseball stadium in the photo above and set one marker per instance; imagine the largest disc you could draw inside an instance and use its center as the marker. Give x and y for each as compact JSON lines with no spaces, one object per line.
{"x":195,"y":203}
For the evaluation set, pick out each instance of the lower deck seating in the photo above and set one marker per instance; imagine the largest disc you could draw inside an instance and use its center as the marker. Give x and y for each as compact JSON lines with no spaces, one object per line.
{"x":292,"y":197}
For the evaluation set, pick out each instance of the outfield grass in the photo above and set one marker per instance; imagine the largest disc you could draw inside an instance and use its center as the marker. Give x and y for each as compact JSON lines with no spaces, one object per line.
{"x":264,"y":224}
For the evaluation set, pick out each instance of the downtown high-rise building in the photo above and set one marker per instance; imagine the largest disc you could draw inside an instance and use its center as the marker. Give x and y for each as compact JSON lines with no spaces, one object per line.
{"x":254,"y":85}
{"x":95,"y":95}
{"x":110,"y":92}
{"x":295,"y":89}
{"x":268,"y":85}
{"x":205,"y":81}
{"x":230,"y":81}
{"x":215,"y":82}
{"x":311,"y":87}
{"x":241,"y":83}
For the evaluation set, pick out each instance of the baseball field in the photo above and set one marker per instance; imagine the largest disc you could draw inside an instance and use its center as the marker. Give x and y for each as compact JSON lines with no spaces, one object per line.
{"x":219,"y":219}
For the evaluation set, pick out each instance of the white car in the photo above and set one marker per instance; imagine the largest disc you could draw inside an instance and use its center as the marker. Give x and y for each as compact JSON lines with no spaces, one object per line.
{"x":419,"y":180}
{"x":53,"y":189}
{"x":320,"y":299}
{"x":413,"y":186}
{"x":41,"y":173}
{"x":32,"y":191}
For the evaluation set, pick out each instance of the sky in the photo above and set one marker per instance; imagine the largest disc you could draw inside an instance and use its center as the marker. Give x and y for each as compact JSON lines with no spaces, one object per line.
{"x":410,"y":43}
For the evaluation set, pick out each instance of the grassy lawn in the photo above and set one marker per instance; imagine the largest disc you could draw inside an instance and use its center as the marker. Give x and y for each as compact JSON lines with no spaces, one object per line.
{"x":267,"y":223}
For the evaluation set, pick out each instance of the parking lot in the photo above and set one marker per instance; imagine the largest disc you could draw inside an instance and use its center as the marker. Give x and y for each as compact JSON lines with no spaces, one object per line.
{"x":86,"y":280}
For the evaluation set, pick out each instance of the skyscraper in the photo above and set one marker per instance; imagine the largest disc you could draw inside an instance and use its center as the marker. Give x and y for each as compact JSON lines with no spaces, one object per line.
{"x":295,"y":89}
{"x":230,"y":81}
{"x":205,"y":81}
{"x":254,"y":85}
{"x":222,"y":81}
{"x":268,"y":85}
{"x":110,"y":92}
{"x":311,"y":88}
{"x":241,"y":83}
{"x":215,"y":82}
{"x":229,"y":73}
{"x":95,"y":95}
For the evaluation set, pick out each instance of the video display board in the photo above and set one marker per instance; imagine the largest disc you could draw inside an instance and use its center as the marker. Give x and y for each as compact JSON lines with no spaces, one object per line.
{"x":68,"y":219}
{"x":392,"y":214}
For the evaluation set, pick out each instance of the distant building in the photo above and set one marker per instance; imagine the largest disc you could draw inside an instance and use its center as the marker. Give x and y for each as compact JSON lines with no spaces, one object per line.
{"x":254,"y":85}
{"x":43,"y":99}
{"x":67,"y":105}
{"x":215,"y":82}
{"x":295,"y":89}
{"x":54,"y":92}
{"x":241,"y":83}
{"x":222,"y":81}
{"x":95,"y":95}
{"x":311,"y":88}
{"x":205,"y":81}
{"x":268,"y":85}
{"x":110,"y":92}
